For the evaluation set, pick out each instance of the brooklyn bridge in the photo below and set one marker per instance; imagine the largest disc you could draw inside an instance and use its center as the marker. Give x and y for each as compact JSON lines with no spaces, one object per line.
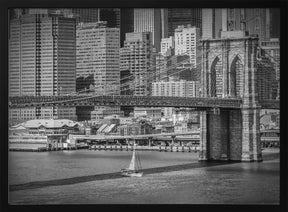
{"x":229,"y":101}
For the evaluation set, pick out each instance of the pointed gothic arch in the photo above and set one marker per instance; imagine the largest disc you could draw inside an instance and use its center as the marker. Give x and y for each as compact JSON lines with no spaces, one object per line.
{"x":234,"y":78}
{"x":215,"y":78}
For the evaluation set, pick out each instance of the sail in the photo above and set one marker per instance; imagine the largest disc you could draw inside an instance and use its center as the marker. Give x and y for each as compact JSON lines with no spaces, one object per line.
{"x":132,"y":165}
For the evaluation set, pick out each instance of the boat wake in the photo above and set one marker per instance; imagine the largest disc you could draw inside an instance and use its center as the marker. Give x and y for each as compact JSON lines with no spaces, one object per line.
{"x":107,"y":176}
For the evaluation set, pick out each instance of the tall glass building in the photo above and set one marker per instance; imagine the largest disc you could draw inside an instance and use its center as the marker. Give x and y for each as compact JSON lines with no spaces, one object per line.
{"x":183,"y":16}
{"x":211,"y":23}
{"x":42,"y":62}
{"x":149,"y":20}
{"x":136,"y":56}
{"x":98,"y":55}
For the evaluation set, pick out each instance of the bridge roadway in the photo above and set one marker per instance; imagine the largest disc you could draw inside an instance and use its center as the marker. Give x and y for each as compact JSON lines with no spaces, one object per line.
{"x":123,"y":100}
{"x":195,"y":135}
{"x":136,"y":101}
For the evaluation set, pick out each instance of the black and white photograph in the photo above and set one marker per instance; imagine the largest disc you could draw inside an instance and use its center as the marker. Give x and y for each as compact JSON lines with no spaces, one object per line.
{"x":143,"y":105}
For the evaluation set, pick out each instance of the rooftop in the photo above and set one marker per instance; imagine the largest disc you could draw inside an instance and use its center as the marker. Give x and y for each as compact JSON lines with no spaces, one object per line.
{"x":47,"y":123}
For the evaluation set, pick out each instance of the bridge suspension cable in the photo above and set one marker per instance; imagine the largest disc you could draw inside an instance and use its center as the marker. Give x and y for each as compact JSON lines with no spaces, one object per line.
{"x":152,"y":68}
{"x":154,"y":75}
{"x":147,"y":77}
{"x":89,"y":97}
{"x":167,"y":69}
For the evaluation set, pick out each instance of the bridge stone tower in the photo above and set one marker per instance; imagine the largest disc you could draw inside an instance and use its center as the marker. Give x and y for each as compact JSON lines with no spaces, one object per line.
{"x":229,"y":71}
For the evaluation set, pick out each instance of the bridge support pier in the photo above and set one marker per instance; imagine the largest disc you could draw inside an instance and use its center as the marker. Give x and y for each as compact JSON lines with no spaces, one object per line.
{"x":214,"y":136}
{"x":203,"y":153}
{"x":251,"y":144}
{"x":230,"y":135}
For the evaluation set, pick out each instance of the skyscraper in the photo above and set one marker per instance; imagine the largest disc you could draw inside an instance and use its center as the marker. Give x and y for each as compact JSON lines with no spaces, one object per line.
{"x":166,"y":44}
{"x":98,"y":55}
{"x":266,"y":79}
{"x":136,"y":56}
{"x":80,"y":14}
{"x":161,"y":68}
{"x":42,"y":60}
{"x":272,"y":51}
{"x":256,"y":21}
{"x":111,"y":16}
{"x":232,"y":18}
{"x":180,"y":88}
{"x":16,"y":12}
{"x":122,"y":18}
{"x":187,"y":40}
{"x":40,"y":47}
{"x":97,"y":63}
{"x":183,"y":16}
{"x":164,"y":23}
{"x":85,"y":15}
{"x":126,"y":23}
{"x":149,"y":20}
{"x":211,"y":23}
{"x":274,"y":22}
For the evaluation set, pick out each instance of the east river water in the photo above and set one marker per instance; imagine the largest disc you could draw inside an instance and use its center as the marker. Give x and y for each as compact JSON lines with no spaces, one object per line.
{"x":93,"y":177}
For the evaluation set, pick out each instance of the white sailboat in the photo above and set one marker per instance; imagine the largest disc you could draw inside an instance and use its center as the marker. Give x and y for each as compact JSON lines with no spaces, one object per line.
{"x":134,"y":169}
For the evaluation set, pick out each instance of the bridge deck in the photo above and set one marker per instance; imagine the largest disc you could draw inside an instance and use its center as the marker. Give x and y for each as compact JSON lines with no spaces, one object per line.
{"x":138,"y":101}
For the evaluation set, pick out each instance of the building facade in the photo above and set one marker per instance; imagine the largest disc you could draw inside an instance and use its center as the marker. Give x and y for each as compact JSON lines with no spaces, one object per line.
{"x":180,"y":88}
{"x":97,"y":53}
{"x":167,"y":46}
{"x":122,"y":18}
{"x":256,"y":21}
{"x":272,"y":51}
{"x":233,"y":19}
{"x":111,"y":16}
{"x":187,"y":42}
{"x":266,"y":79}
{"x":211,"y":23}
{"x":274,"y":22}
{"x":100,"y":112}
{"x":162,"y":67}
{"x":37,"y":45}
{"x":126,"y":82}
{"x":174,"y":68}
{"x":152,"y":113}
{"x":126,"y":23}
{"x":149,"y":20}
{"x":42,"y":62}
{"x":186,"y":115}
{"x":80,"y":14}
{"x":140,"y":128}
{"x":183,"y":16}
{"x":85,"y":14}
{"x":97,"y":63}
{"x":136,"y":56}
{"x":47,"y":127}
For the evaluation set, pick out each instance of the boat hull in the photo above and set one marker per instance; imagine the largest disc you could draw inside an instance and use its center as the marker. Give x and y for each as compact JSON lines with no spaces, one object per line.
{"x":131,"y":173}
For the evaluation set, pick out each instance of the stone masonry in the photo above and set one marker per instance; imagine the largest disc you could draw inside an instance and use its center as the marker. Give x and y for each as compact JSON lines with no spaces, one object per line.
{"x":230,"y":66}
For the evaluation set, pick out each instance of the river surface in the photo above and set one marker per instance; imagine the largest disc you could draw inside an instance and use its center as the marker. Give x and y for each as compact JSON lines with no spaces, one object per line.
{"x":92,"y":177}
